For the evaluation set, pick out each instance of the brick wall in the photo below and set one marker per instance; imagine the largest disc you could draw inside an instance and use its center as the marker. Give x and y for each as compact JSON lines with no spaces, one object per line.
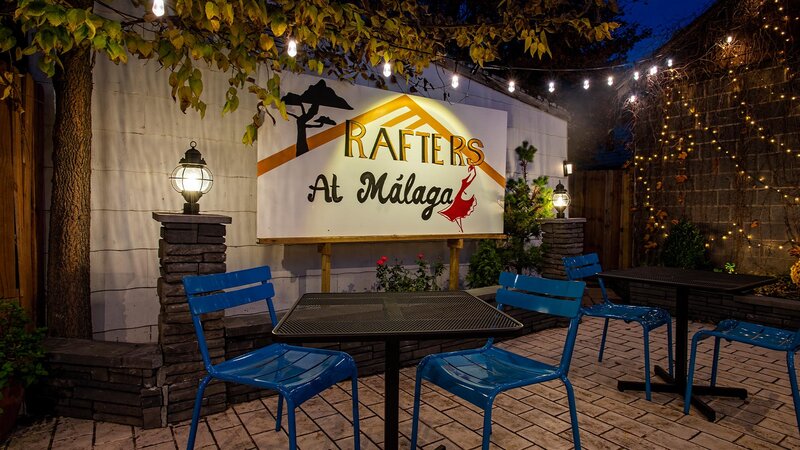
{"x":724,"y":119}
{"x":109,"y":381}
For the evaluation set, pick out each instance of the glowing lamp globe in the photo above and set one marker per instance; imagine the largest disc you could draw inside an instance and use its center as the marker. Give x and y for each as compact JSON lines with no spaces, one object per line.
{"x":560,"y":200}
{"x":192,"y":179}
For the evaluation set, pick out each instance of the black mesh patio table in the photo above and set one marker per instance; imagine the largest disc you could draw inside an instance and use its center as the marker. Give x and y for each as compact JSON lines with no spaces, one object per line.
{"x":685,"y":280}
{"x":391,"y":317}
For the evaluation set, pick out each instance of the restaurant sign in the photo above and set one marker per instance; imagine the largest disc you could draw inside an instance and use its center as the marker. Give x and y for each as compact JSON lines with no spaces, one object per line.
{"x":363,"y":163}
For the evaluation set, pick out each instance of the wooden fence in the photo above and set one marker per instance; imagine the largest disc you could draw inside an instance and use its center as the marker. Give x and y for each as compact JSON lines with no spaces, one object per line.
{"x":603,"y":197}
{"x":20,"y":190}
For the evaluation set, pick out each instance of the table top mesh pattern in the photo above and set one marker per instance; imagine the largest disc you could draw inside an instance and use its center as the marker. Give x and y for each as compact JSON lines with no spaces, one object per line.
{"x":699,"y":279}
{"x":381,"y":313}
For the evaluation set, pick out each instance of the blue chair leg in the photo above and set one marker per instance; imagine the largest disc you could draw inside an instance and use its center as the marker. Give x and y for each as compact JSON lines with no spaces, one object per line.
{"x":714,"y":362}
{"x":198,"y":402}
{"x":671,"y":360}
{"x":415,"y":416}
{"x":487,"y":424}
{"x":646,"y":364}
{"x":793,"y":383}
{"x":687,"y":399}
{"x":356,"y":431}
{"x":280,"y":413}
{"x":603,"y":342}
{"x":573,"y":414}
{"x":292,"y":431}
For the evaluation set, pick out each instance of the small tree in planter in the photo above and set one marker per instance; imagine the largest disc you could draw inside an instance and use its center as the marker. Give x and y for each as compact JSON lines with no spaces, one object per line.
{"x":526,"y":204}
{"x":21,"y":357}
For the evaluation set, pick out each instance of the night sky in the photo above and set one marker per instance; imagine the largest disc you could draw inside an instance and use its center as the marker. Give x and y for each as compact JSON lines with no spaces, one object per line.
{"x":662,"y":16}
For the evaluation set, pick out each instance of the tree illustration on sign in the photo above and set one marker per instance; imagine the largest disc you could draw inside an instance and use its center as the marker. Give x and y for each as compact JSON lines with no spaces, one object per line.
{"x":317,"y":95}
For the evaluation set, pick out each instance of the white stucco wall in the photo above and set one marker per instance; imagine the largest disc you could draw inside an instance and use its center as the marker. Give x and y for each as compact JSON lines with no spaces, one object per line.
{"x":139,"y":136}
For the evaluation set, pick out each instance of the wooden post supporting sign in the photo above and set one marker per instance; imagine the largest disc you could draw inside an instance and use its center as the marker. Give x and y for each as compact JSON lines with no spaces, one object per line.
{"x":325,"y":251}
{"x":455,"y":249}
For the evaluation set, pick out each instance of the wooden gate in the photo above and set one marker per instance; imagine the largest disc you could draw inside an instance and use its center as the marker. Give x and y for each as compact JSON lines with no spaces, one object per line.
{"x":20,"y":167}
{"x":603,"y":197}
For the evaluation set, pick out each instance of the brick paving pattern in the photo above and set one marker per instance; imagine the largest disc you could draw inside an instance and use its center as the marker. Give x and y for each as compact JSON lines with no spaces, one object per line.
{"x":525,"y":418}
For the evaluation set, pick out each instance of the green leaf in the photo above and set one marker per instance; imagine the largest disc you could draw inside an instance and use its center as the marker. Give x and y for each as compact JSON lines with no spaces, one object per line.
{"x":278,"y":25}
{"x":99,"y":42}
{"x":196,"y":84}
{"x":249,"y":135}
{"x":212,"y":11}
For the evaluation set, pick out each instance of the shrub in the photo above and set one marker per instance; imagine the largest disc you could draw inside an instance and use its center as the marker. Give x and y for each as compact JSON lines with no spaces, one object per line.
{"x":397,"y":278}
{"x":21,"y":350}
{"x":484,"y":265}
{"x":684,"y":247}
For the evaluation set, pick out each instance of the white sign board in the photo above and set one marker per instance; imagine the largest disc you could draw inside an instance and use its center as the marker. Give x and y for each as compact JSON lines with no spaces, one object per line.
{"x":357,"y":162}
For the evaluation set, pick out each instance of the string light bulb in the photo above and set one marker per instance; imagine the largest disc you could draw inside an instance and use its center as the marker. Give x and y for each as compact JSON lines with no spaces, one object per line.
{"x":636,"y":75}
{"x":669,"y":62}
{"x":158,"y":8}
{"x":454,"y":81}
{"x":632,"y":98}
{"x":653,"y":70}
{"x":291,"y":49}
{"x":610,"y":81}
{"x":586,"y":83}
{"x":551,"y":86}
{"x":512,"y":86}
{"x":387,"y":69}
{"x":729,"y":39}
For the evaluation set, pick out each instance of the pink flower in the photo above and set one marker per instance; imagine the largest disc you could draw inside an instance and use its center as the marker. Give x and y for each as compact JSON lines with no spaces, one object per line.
{"x":421,"y":256}
{"x":382,"y":261}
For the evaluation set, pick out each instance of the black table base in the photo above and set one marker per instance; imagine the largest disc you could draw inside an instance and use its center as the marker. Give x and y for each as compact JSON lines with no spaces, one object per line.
{"x":671,"y":385}
{"x":391,"y":405}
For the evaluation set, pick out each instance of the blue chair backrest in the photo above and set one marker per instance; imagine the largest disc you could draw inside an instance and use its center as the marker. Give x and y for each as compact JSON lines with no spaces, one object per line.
{"x":582,"y":266}
{"x":555,"y":297}
{"x":220,"y":291}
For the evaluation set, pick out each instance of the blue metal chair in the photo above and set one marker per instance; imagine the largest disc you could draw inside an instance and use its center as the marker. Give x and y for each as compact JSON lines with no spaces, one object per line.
{"x":752,"y":334}
{"x":650,"y":318}
{"x":479,"y":375}
{"x":297,"y":373}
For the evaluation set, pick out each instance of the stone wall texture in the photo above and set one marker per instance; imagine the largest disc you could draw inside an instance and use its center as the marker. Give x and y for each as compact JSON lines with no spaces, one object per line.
{"x":189,"y":245}
{"x":717,"y":140}
{"x":561,"y":238}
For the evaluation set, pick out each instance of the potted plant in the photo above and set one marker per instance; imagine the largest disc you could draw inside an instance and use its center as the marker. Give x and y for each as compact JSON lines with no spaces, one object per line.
{"x":21,"y":358}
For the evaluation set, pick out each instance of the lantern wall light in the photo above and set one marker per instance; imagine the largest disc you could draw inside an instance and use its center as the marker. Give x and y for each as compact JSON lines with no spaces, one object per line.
{"x":567,"y":168}
{"x":192,"y":179}
{"x":560,"y":200}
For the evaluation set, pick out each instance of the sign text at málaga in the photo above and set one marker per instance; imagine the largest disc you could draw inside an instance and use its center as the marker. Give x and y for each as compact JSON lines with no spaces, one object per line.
{"x":361,"y":163}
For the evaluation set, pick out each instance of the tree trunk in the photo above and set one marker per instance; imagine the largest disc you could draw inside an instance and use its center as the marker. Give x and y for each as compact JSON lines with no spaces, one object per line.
{"x":68,"y":304}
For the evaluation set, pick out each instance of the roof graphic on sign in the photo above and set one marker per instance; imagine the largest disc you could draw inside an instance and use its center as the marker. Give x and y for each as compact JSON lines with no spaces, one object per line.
{"x":404,"y":101}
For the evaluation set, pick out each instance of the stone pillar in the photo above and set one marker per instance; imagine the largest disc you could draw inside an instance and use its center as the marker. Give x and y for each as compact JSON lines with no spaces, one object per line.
{"x":560,"y":238}
{"x":191,"y":244}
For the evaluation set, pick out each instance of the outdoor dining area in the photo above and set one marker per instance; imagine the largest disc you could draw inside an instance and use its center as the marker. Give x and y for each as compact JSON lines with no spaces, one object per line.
{"x":427,"y":224}
{"x":535,"y":416}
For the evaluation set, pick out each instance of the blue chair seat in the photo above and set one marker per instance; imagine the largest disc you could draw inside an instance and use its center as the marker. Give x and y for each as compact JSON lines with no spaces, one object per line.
{"x":296,"y":372}
{"x":752,"y":334}
{"x":649,"y":317}
{"x":478,"y":375}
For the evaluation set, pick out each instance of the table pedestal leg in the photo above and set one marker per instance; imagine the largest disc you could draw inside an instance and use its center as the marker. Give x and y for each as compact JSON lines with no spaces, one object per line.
{"x":677,"y":385}
{"x":391,"y":413}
